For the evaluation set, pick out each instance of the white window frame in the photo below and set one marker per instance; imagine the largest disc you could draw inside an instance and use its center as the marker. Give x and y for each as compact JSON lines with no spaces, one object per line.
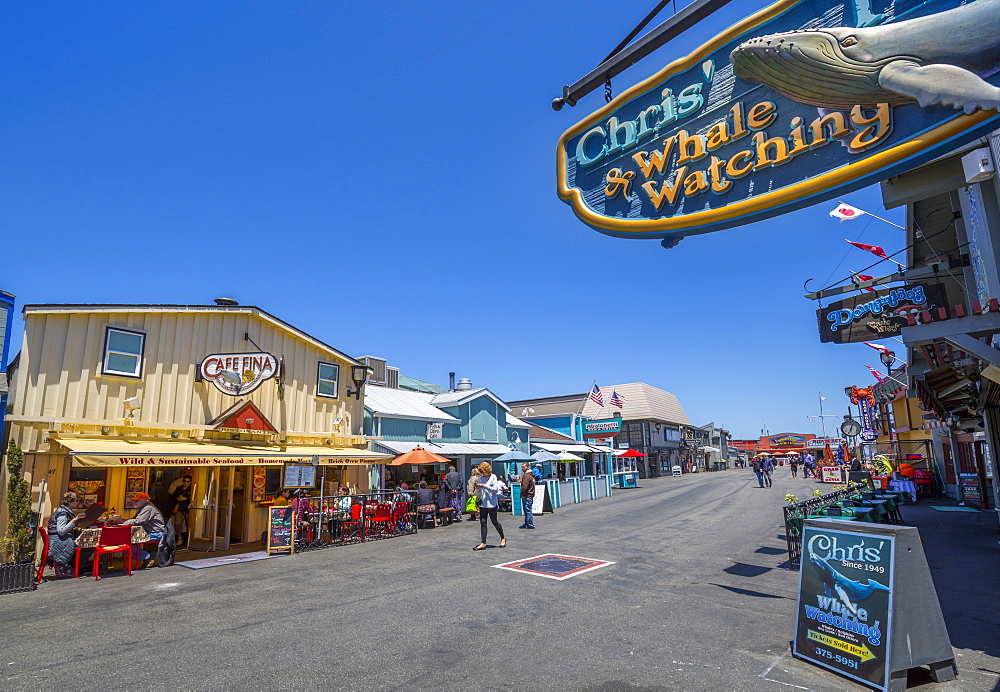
{"x":106,"y":370}
{"x":319,"y":369}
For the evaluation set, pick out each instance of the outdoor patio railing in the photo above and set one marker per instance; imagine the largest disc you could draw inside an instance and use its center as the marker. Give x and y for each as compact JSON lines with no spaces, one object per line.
{"x":796,"y":514}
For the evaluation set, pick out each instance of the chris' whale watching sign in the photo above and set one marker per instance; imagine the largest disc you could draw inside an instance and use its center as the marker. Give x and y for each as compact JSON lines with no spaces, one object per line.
{"x":801,"y":102}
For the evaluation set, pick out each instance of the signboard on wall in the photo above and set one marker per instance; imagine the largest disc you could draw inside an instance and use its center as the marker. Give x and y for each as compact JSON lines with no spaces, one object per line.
{"x":238,"y":373}
{"x":300,"y":476}
{"x":605,"y":427}
{"x":876,"y":315}
{"x":787,"y":440}
{"x":435,"y":431}
{"x":759,"y":121}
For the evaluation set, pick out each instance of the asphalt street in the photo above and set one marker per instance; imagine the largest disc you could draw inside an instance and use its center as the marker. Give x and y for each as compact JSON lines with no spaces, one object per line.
{"x":698,"y":598}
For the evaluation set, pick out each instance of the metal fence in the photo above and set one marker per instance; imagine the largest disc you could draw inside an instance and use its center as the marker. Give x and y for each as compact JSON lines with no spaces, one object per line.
{"x":343,"y":520}
{"x":795,"y":515}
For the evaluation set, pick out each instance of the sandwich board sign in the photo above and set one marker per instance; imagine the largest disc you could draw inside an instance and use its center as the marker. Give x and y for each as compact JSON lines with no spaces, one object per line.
{"x":866,"y":607}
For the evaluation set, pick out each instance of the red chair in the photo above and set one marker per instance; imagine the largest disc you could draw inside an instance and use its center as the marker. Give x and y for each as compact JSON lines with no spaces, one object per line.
{"x":356,"y":524}
{"x":381,"y":523}
{"x":398,"y":516}
{"x":114,"y":539}
{"x":45,"y":557}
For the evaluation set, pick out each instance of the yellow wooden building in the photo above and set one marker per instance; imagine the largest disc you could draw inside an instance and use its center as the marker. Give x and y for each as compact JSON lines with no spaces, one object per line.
{"x":111,"y":400}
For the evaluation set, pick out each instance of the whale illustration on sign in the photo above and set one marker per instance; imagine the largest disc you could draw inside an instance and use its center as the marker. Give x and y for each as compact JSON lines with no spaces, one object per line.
{"x":937,"y":60}
{"x":847,"y":590}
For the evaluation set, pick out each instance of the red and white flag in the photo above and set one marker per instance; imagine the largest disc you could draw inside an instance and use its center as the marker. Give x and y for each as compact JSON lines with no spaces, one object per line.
{"x":596,"y":396}
{"x":858,"y":278}
{"x":845,"y":212}
{"x":877,"y":347}
{"x":617,"y":399}
{"x":874,"y":249}
{"x":878,"y":376}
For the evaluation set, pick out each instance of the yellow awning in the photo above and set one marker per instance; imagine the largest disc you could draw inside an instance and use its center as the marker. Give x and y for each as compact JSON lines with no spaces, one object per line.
{"x":119,"y":452}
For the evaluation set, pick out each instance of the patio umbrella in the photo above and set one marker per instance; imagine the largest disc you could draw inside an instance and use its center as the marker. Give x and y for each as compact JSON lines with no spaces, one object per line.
{"x":631,"y":453}
{"x":515,"y":455}
{"x":544,"y":455}
{"x":418,"y":455}
{"x":567,"y":457}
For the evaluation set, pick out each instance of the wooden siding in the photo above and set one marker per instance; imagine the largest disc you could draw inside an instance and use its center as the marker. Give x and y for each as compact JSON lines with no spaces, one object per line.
{"x":60,"y":370}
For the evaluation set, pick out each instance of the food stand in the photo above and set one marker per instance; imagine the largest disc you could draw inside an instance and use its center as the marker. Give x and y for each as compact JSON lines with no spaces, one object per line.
{"x":625,"y":473}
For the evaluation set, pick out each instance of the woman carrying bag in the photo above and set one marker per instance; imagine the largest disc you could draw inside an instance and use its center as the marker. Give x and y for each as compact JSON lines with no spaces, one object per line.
{"x":471,"y":505}
{"x":488,"y":489}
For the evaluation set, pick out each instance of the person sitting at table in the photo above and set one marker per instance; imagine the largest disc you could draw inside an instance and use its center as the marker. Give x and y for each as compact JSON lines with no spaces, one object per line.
{"x":282,"y":499}
{"x":426,"y":503}
{"x":150,"y":519}
{"x":303,"y":507}
{"x":62,"y":543}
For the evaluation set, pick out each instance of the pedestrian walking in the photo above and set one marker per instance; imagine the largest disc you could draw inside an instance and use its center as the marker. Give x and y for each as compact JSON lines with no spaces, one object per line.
{"x":794,"y":463}
{"x":809,"y":466}
{"x":453,"y":486}
{"x":527,"y":497}
{"x":472,"y":504}
{"x":758,"y":469}
{"x":488,"y":488}
{"x":767,"y":466}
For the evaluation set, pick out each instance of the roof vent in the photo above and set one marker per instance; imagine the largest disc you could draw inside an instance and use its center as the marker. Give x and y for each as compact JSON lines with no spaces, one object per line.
{"x":225,"y":301}
{"x":464,"y":384}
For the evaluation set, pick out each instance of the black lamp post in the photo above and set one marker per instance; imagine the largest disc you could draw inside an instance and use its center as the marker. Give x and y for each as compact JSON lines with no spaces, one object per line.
{"x":887,"y":358}
{"x":359,"y":375}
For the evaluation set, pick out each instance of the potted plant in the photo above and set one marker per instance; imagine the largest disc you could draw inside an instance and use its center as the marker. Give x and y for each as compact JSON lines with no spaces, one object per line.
{"x":17,"y":547}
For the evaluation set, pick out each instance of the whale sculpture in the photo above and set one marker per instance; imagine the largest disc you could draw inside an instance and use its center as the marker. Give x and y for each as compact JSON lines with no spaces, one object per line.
{"x":939,"y":59}
{"x":847,"y":590}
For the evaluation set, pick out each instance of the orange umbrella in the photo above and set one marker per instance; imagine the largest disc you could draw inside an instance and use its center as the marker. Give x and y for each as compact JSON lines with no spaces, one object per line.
{"x":829,"y":454}
{"x":418,"y":455}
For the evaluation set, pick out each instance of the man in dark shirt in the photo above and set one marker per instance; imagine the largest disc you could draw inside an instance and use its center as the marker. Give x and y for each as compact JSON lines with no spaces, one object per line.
{"x":453,"y":483}
{"x":527,"y":496}
{"x":182,"y":503}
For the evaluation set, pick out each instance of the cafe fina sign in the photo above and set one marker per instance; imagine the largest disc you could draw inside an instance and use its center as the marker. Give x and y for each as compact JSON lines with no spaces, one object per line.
{"x":238,"y":373}
{"x":801,"y":102}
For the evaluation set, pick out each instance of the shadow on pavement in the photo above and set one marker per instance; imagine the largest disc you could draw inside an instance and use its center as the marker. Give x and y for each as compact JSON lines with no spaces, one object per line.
{"x":748,"y":592}
{"x":742,"y":569}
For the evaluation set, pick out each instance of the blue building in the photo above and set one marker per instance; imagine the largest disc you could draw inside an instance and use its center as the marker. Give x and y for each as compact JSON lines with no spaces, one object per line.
{"x":6,"y":322}
{"x":466,"y":425}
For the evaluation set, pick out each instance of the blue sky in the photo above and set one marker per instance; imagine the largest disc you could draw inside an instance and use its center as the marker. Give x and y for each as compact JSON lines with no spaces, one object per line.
{"x":381,"y":175}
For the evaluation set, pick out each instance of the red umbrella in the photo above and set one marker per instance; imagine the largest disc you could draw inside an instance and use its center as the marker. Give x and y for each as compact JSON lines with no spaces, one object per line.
{"x":631,"y":453}
{"x":418,"y":455}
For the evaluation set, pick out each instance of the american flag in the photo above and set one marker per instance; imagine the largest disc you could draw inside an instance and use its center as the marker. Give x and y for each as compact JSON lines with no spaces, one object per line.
{"x":596,"y":396}
{"x":617,"y":399}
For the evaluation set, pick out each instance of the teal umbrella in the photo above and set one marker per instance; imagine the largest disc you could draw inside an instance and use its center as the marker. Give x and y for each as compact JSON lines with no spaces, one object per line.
{"x":515,"y":455}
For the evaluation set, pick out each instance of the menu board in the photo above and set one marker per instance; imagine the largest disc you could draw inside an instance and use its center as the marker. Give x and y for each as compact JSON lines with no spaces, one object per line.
{"x":280,"y":529}
{"x":845,"y":602}
{"x":972,"y":491}
{"x":300,"y":476}
{"x":259,"y":481}
{"x":135,"y":483}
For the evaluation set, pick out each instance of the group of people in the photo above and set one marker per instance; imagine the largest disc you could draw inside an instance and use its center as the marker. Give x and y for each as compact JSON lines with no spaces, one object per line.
{"x":763,"y":467}
{"x":62,"y":531}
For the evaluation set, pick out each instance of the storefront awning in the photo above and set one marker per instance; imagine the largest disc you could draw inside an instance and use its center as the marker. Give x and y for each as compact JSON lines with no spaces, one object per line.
{"x":447,"y":448}
{"x":117,"y":452}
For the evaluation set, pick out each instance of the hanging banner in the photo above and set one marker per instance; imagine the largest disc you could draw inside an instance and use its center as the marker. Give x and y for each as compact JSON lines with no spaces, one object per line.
{"x":876,"y":315}
{"x":865,"y":400}
{"x":844,"y":604}
{"x":798,"y":103}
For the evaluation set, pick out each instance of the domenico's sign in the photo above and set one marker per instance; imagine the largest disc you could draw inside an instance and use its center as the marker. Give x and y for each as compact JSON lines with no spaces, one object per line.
{"x":800,"y":102}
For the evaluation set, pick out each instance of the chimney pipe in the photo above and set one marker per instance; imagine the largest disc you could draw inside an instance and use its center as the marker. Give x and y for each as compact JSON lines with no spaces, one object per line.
{"x":451,"y":382}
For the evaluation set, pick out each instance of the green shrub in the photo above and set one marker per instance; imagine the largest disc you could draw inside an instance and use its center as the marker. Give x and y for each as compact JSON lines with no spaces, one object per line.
{"x":19,"y":543}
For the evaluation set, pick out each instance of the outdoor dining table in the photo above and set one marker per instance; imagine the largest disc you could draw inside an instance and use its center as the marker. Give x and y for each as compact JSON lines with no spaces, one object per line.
{"x":91,"y":536}
{"x":862,"y":513}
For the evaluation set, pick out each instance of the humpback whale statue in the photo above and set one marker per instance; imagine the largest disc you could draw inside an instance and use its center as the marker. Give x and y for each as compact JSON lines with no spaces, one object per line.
{"x":836,"y":584}
{"x":939,"y":59}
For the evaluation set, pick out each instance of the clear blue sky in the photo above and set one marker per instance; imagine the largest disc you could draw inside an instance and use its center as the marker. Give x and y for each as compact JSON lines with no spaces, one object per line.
{"x":381,"y":175}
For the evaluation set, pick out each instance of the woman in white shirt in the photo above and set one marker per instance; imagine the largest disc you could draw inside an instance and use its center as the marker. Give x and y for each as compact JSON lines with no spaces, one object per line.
{"x":487,"y":490}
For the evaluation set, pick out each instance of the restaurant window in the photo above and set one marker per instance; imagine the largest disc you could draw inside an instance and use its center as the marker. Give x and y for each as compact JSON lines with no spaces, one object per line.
{"x":327,"y":380}
{"x":123,"y":352}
